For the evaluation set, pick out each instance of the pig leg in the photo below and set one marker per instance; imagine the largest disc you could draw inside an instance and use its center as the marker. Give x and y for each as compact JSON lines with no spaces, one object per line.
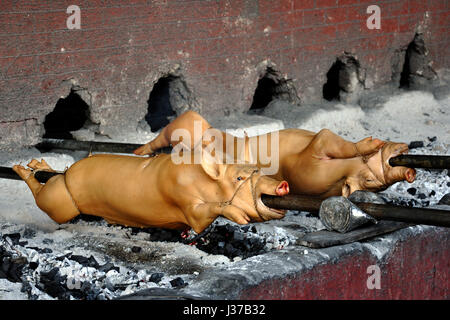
{"x":39,"y":166}
{"x":52,"y":197}
{"x":200,"y":216}
{"x":187,"y":121}
{"x":329,"y":145}
{"x":159,"y":142}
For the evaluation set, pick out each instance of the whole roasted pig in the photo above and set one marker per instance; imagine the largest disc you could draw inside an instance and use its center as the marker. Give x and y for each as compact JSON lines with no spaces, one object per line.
{"x":155,"y":191}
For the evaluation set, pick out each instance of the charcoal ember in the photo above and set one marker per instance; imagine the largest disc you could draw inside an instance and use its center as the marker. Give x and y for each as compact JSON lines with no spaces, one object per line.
{"x":421,"y":196}
{"x":416,"y":144}
{"x":89,"y":291}
{"x":432,"y":193}
{"x":238,"y":236}
{"x":47,"y":241}
{"x":432,"y":139}
{"x":232,"y":241}
{"x":53,"y":284}
{"x":12,"y":268}
{"x":29,"y":233}
{"x":168,"y":235}
{"x":40,"y":250}
{"x":156,"y":277}
{"x":136,"y":249}
{"x":61,"y":258}
{"x":108,"y":267}
{"x":412,"y":191}
{"x":445,"y":200}
{"x":178,"y":282}
{"x":85,"y":262}
{"x":14,"y":237}
{"x":33,"y":265}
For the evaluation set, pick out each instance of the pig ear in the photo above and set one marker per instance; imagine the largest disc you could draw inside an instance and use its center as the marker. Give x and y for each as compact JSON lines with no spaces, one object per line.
{"x":349,"y":187}
{"x":211,"y":166}
{"x":345,"y":190}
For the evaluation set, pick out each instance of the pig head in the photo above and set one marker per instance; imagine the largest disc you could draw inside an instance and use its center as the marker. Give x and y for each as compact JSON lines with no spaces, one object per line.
{"x":332,"y":166}
{"x":154,"y":192}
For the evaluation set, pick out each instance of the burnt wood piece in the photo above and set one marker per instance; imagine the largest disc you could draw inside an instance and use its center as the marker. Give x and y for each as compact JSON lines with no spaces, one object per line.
{"x":433,"y":217}
{"x":421,"y":161}
{"x":324,"y":239}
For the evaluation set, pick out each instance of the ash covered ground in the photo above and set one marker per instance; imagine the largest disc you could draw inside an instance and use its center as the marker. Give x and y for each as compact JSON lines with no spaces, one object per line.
{"x":90,"y":259}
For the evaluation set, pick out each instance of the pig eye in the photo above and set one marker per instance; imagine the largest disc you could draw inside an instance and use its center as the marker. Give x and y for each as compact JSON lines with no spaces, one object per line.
{"x":240,"y":178}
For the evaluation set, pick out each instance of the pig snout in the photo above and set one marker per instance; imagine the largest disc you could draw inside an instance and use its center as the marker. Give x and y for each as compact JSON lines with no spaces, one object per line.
{"x":282,"y":189}
{"x":410,"y":175}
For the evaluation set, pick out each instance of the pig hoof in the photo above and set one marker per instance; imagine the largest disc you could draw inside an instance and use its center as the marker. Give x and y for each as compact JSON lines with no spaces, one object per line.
{"x":22,"y":172}
{"x":143,"y":150}
{"x":369,"y":145}
{"x":40,"y":166}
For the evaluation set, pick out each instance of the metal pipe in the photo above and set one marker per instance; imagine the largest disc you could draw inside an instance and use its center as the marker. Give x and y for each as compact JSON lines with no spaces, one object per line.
{"x":94,"y":146}
{"x":421,"y":161}
{"x":41,"y":176}
{"x":426,"y":216}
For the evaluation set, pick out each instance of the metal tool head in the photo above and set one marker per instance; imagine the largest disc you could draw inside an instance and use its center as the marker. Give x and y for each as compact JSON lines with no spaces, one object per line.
{"x":340,"y":214}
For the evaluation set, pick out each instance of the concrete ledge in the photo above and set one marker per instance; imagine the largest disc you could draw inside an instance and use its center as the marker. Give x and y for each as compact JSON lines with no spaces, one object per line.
{"x":414,"y":264}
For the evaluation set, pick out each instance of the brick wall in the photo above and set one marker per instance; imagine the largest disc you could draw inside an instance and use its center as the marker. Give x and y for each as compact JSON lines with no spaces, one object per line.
{"x":219,"y":47}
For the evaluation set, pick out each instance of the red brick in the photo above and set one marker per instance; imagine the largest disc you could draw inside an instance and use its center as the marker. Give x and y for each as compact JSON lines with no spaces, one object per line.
{"x":218,"y":47}
{"x":293,"y":20}
{"x":347,"y":2}
{"x":16,"y":45}
{"x":197,"y":67}
{"x":335,"y":15}
{"x":443,"y":19}
{"x":315,"y":17}
{"x":437,"y":5}
{"x":20,"y":67}
{"x":51,"y":21}
{"x":417,"y":6}
{"x":313,"y":35}
{"x":119,"y":16}
{"x":389,"y":25}
{"x":406,"y":24}
{"x":357,"y":13}
{"x":326,"y":3}
{"x":303,"y":4}
{"x":230,"y":8}
{"x":271,"y":6}
{"x":394,"y":9}
{"x":16,"y":23}
{"x":380,"y":42}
